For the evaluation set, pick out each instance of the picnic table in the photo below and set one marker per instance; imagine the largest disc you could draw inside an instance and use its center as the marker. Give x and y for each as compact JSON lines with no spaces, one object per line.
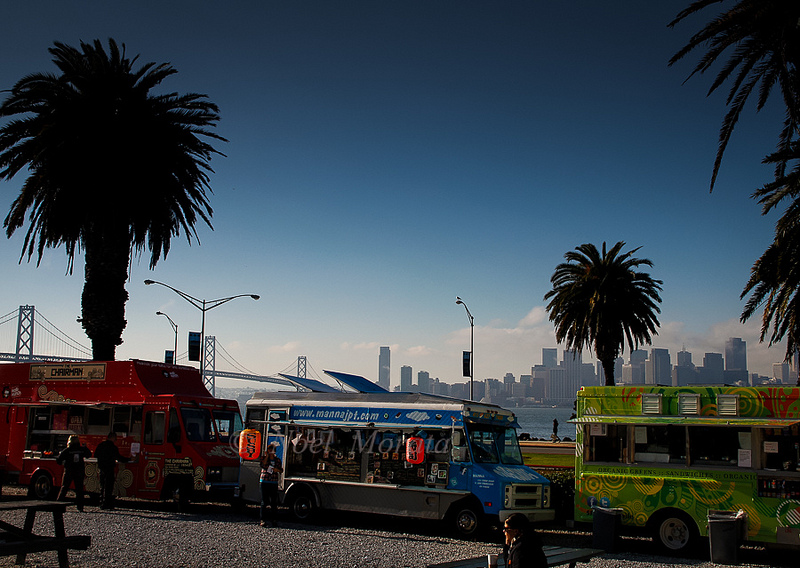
{"x":21,"y":541}
{"x":556,"y":556}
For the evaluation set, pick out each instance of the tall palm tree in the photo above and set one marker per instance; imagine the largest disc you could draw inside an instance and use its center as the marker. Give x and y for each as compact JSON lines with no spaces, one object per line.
{"x":601,"y":300}
{"x":112,"y":169}
{"x":763,"y":39}
{"x":775,"y":276}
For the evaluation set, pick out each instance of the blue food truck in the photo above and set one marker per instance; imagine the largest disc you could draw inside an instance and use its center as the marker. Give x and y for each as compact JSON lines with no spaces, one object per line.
{"x":402,"y":454}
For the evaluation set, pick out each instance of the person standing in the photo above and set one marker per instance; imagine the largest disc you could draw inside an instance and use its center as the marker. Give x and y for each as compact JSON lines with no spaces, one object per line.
{"x":555,"y":429}
{"x":108,"y":455}
{"x":271,"y":469}
{"x":523,"y":546}
{"x":72,"y":458}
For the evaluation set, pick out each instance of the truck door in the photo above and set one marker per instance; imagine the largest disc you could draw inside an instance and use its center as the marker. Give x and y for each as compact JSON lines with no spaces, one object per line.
{"x":155,"y":422}
{"x":277,"y":424}
{"x":460,"y":462}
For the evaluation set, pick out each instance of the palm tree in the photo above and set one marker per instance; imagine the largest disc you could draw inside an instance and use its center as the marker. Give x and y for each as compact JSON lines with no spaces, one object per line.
{"x":775,"y":276}
{"x":112,"y":169}
{"x":764,"y":41}
{"x":601,"y":300}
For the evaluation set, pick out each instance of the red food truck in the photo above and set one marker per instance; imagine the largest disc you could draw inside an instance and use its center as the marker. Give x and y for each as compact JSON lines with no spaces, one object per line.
{"x":178,"y":436}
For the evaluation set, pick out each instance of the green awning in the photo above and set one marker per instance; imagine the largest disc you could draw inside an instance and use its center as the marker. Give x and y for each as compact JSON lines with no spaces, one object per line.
{"x":688,"y":420}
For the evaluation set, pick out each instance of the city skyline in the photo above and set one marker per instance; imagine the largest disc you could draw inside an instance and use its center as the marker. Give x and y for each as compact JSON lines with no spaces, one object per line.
{"x":662,"y":367}
{"x":387,"y":157}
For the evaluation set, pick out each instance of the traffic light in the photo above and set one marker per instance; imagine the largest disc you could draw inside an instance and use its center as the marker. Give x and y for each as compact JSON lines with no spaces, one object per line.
{"x":467,"y":366}
{"x":169,"y":357}
{"x":194,"y":346}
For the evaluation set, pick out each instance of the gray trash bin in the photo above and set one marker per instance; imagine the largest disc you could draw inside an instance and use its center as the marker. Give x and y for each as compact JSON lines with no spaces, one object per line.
{"x":726,"y":531}
{"x":605,"y":527}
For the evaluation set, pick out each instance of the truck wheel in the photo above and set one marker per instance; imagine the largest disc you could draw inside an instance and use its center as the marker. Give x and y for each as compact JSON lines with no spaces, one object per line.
{"x":466,"y":520}
{"x":302,"y":506}
{"x":674,"y":532}
{"x":41,"y":486}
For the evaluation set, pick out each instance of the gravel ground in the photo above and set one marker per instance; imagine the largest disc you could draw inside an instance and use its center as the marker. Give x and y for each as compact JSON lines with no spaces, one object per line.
{"x":142,"y":534}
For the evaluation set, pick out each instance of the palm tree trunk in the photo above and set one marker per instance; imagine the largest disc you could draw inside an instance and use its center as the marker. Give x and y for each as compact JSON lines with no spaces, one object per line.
{"x":608,"y":370}
{"x":104,"y":295}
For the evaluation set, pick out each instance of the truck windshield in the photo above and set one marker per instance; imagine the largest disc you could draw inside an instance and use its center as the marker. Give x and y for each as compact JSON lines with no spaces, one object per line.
{"x":228,"y":423}
{"x":198,"y":424}
{"x":494,"y":444}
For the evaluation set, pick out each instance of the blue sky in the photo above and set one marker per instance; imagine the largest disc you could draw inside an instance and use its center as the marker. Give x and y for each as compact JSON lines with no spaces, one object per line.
{"x":386,"y":157}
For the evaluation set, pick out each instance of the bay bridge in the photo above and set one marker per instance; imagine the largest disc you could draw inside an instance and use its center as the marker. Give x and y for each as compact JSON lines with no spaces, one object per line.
{"x":19,"y":327}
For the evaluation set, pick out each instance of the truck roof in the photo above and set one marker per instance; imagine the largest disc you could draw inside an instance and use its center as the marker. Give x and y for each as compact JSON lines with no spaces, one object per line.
{"x":97,"y":381}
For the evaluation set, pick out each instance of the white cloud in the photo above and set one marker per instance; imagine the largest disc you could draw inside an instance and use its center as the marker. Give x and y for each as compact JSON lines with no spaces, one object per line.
{"x":536,"y":316}
{"x":289,"y":347}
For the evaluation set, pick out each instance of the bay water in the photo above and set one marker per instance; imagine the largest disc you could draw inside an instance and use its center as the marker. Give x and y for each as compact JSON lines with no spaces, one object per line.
{"x":538,"y":422}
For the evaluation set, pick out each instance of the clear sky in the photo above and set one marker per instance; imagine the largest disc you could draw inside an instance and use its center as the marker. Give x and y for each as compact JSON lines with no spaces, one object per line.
{"x":388,"y":156}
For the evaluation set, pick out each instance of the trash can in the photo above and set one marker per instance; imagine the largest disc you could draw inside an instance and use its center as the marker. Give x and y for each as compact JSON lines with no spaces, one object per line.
{"x":605,"y":527}
{"x":726,"y":531}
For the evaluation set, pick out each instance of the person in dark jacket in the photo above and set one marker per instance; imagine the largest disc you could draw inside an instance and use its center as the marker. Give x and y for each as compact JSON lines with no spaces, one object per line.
{"x":523,"y":548}
{"x":108,"y":455}
{"x":271,"y":469}
{"x":72,"y":458}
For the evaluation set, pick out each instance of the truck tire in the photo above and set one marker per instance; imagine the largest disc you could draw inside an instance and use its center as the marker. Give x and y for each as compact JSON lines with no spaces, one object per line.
{"x":466,"y":518}
{"x":674,"y":531}
{"x":303,"y":505}
{"x":41,"y":486}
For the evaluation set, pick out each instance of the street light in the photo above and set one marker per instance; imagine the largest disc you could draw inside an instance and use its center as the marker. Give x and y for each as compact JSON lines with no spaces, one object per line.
{"x":203,"y":306}
{"x":175,"y":329}
{"x":471,"y":345}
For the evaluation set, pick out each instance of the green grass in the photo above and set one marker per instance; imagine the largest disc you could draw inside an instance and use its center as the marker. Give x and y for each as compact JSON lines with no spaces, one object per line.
{"x":549,"y":460}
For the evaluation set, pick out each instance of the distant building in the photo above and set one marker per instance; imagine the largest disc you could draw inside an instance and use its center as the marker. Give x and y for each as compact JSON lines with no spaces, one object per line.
{"x":735,"y":354}
{"x":780,"y":372}
{"x":384,"y":368}
{"x":424,"y":382}
{"x":713,"y":371}
{"x":736,"y":361}
{"x":550,"y":357}
{"x":657,"y":368}
{"x":509,"y":382}
{"x":406,"y":378}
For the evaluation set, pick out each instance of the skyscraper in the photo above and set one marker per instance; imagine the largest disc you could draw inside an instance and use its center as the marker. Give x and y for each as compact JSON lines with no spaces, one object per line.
{"x":735,"y":354}
{"x":384,"y":367}
{"x":712,"y":371}
{"x":424,"y":381}
{"x":658,"y":368}
{"x":406,"y":379}
{"x":550,"y":357}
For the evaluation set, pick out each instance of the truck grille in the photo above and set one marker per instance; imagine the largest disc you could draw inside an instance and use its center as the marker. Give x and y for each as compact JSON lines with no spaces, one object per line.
{"x":527,"y":496}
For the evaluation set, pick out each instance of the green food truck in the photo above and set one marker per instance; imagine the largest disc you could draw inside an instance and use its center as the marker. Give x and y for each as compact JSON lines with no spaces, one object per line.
{"x":670,"y":458}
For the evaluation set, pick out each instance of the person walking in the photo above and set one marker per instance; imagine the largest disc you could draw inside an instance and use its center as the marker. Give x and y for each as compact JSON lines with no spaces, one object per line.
{"x":523,"y":546}
{"x":271,"y":469}
{"x":72,"y":458}
{"x":108,"y":455}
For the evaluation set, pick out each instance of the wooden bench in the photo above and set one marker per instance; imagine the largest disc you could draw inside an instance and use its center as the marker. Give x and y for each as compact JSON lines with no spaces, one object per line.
{"x":556,"y":556}
{"x":19,"y":542}
{"x":43,"y":544}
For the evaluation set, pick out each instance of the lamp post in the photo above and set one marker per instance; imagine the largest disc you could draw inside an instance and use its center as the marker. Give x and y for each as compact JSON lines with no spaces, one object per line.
{"x":471,"y":345}
{"x":203,"y":306}
{"x":175,"y":329}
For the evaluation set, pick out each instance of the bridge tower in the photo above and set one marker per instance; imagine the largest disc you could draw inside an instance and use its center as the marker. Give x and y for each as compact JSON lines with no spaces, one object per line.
{"x":301,"y":366}
{"x":210,"y":363}
{"x":25,"y":334}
